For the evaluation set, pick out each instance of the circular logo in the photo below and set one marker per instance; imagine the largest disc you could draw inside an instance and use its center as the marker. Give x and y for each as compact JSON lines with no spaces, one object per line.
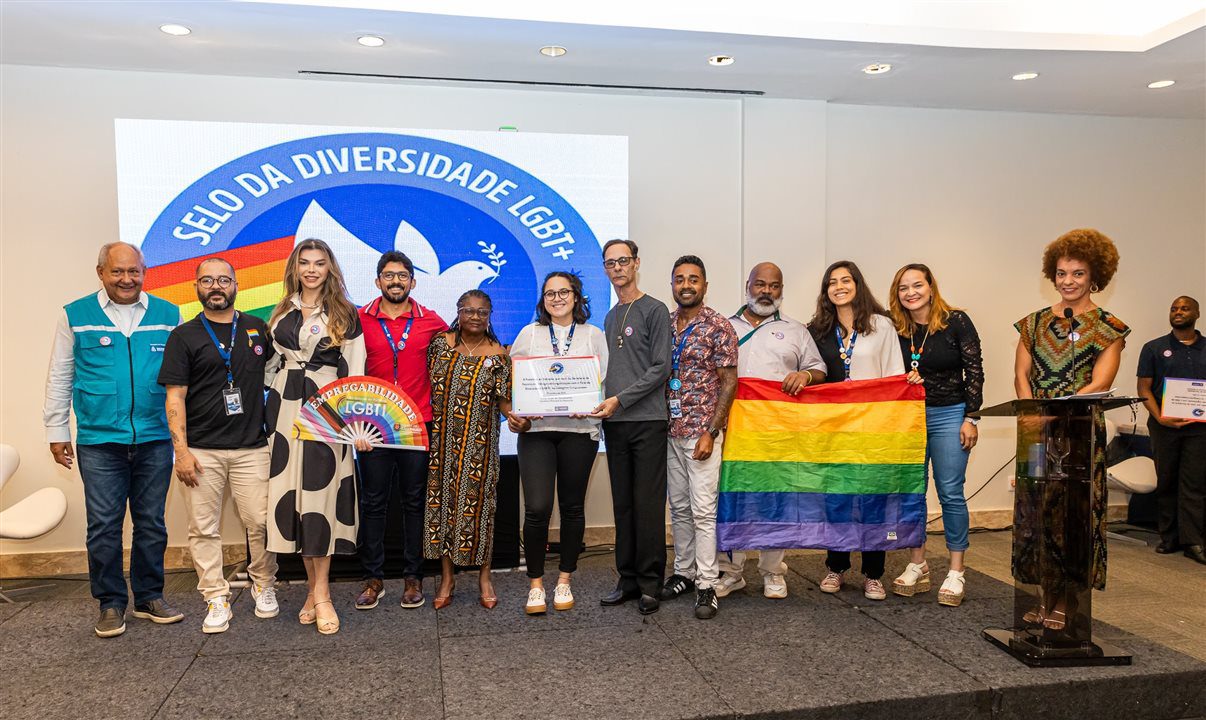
{"x":628,"y":331}
{"x":106,"y":340}
{"x":1168,"y":353}
{"x":556,"y":368}
{"x":314,"y":329}
{"x":1198,"y":412}
{"x":778,"y":336}
{"x":259,"y":350}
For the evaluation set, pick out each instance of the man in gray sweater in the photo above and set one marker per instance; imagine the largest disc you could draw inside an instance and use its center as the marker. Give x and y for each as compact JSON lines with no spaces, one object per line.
{"x":635,"y":426}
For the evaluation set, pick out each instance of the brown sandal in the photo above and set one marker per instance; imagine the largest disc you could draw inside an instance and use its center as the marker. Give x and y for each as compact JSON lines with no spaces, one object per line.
{"x":1051,"y":622}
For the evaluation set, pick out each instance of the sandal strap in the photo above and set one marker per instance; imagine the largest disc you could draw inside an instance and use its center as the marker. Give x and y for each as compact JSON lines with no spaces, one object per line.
{"x":953,"y":577}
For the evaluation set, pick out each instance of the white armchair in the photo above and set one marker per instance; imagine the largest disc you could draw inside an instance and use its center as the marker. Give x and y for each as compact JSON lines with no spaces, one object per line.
{"x":32,"y":516}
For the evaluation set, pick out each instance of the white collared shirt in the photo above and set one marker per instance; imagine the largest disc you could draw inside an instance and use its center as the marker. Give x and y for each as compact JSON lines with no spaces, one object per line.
{"x":779,"y":345}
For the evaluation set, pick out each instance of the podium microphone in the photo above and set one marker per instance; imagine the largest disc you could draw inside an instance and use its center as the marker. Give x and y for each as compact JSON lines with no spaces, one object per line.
{"x":1070,"y":376}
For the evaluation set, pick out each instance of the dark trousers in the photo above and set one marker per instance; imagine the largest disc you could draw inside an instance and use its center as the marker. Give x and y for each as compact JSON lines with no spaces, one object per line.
{"x":382,"y":470}
{"x":873,"y":562}
{"x":636,"y":461}
{"x":562,"y":460}
{"x":1180,"y":483}
{"x":116,"y":475}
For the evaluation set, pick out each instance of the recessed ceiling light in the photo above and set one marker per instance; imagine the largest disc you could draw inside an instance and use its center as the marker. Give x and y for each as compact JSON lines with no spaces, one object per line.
{"x":1161,"y":84}
{"x":173,"y":29}
{"x":1025,"y":76}
{"x":371,"y":40}
{"x":877,"y":68}
{"x":721,"y":60}
{"x":553,"y":51}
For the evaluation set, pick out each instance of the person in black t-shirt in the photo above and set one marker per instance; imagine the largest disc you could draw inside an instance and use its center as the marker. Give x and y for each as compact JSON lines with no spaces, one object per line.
{"x":1179,"y":445}
{"x":213,"y":369}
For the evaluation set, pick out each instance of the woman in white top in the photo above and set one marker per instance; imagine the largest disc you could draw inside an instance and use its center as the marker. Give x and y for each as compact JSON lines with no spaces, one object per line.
{"x":556,"y":452}
{"x":858,"y":341}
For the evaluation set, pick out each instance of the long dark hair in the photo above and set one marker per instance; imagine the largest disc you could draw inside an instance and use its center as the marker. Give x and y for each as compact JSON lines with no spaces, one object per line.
{"x":581,"y":302}
{"x":460,"y":302}
{"x":865,"y":304}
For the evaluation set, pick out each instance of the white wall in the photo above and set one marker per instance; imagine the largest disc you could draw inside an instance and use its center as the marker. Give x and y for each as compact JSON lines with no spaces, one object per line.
{"x":800,"y":183}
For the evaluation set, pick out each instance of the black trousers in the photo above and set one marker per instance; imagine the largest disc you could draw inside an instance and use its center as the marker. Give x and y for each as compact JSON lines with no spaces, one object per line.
{"x":551,"y":461}
{"x":1180,"y":483}
{"x":636,"y":461}
{"x":381,"y":471}
{"x":873,"y":562}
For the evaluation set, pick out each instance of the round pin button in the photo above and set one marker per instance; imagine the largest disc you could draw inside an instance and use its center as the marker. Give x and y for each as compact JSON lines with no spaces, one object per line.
{"x":106,"y":340}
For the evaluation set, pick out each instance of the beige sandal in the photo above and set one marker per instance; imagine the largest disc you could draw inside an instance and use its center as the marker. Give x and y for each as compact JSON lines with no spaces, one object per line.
{"x":326,"y":627}
{"x":1051,"y":622}
{"x":306,"y":617}
{"x":915,"y":579}
{"x":951,"y":592}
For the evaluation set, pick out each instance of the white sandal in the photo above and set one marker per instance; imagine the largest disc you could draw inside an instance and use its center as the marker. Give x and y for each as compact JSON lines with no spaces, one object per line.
{"x":951,"y":592}
{"x":915,"y":579}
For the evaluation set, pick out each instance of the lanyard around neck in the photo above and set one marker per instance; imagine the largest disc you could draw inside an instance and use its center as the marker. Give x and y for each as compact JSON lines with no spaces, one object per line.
{"x":846,"y":352}
{"x":223,"y":353}
{"x":395,"y":348}
{"x":569,"y":340}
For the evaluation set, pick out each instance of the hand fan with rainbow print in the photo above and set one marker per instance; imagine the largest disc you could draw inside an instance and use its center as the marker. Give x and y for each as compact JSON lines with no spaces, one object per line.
{"x":362,"y":408}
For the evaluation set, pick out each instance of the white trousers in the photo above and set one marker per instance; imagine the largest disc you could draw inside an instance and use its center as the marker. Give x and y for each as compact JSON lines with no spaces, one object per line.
{"x":770,"y":562}
{"x":693,"y":489}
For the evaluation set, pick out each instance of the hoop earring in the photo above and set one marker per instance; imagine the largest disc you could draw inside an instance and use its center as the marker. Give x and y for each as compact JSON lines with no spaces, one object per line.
{"x":1094,"y":289}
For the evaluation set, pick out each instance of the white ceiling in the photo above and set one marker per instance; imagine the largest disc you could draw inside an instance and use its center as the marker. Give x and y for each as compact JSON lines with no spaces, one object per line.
{"x":279,"y":39}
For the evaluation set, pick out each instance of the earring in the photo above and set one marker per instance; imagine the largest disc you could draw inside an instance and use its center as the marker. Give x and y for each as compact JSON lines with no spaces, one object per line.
{"x":1093,"y":288}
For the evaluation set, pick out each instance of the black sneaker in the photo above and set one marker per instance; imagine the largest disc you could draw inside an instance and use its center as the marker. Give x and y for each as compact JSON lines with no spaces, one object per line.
{"x":706,"y":604}
{"x":158,"y":611}
{"x":111,"y":623}
{"x":675,"y":585}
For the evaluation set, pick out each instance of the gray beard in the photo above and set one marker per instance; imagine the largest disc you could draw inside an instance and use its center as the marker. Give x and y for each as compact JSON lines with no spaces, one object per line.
{"x":761,"y":309}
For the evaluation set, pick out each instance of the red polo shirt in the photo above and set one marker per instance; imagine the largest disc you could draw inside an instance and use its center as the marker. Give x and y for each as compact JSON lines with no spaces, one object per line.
{"x":412,"y":359}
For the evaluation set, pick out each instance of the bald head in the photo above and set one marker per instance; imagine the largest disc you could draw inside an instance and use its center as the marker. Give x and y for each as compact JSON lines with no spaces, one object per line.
{"x":1184,"y":312}
{"x":764,"y":289}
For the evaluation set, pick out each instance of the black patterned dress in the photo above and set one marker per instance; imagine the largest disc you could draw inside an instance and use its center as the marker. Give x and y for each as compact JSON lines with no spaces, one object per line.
{"x":462,"y":476}
{"x":311,"y":484}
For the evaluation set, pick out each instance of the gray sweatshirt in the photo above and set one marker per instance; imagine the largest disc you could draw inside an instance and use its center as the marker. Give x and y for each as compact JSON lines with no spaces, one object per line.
{"x":638,"y":369}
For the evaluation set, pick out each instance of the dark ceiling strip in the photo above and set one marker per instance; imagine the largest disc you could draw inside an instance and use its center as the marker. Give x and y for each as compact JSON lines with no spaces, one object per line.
{"x":534,"y":83}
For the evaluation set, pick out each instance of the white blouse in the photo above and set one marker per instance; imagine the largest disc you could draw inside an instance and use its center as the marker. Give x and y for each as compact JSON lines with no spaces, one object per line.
{"x":877,"y":355}
{"x":533,"y":340}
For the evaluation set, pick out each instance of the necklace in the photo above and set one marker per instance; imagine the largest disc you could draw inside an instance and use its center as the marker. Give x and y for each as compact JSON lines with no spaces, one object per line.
{"x":473,"y":350}
{"x":624,"y":322}
{"x":915,"y":352}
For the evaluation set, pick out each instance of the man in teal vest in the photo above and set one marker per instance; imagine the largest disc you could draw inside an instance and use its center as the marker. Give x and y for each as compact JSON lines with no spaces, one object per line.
{"x":107,"y":351}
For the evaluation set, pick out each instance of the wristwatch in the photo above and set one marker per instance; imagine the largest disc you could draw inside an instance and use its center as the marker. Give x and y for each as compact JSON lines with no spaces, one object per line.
{"x":714,"y":432}
{"x":972,"y":420}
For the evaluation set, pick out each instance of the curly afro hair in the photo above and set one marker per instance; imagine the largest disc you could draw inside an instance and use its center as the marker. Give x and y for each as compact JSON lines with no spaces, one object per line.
{"x":1088,"y":246}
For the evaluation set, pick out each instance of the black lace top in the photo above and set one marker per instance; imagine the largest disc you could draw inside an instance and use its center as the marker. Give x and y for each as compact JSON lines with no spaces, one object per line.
{"x":950,"y":363}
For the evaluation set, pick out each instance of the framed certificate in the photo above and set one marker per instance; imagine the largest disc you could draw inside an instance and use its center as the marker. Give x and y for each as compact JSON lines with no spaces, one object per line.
{"x":1184,"y":398}
{"x":553,"y":385}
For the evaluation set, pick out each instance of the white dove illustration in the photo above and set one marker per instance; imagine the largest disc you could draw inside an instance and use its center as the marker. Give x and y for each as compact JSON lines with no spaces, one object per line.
{"x":436,"y":290}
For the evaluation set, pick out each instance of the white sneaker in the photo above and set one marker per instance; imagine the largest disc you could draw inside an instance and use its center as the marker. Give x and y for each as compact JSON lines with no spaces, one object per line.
{"x":217,"y":619}
{"x":265,"y":601}
{"x":774,"y":586}
{"x":536,"y":604}
{"x":563,"y":598}
{"x":728,"y":583}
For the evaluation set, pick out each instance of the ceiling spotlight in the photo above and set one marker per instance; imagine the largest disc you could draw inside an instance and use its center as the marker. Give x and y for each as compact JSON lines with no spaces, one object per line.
{"x":371,"y":40}
{"x":720,"y":60}
{"x":1161,"y":84}
{"x":553,"y":51}
{"x":1025,"y":76}
{"x":877,"y":68}
{"x":173,"y":29}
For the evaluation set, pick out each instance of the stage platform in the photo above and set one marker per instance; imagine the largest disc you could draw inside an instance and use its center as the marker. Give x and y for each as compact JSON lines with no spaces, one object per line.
{"x":810,"y":656}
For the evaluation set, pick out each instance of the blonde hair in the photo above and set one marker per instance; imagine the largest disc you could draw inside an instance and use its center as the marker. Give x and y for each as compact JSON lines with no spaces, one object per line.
{"x":341,"y":313}
{"x":940,"y":311}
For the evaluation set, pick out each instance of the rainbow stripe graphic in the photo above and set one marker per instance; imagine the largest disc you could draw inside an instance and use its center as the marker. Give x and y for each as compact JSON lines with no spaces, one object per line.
{"x":259,"y":270}
{"x":840,"y":466}
{"x":361,"y":407}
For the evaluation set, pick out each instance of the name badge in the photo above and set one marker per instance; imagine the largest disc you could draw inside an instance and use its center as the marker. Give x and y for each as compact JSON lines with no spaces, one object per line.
{"x":233,"y":400}
{"x":676,"y":408}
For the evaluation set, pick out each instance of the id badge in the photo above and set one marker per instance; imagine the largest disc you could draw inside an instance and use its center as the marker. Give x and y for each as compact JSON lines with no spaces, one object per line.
{"x":676,"y":408}
{"x":233,"y":400}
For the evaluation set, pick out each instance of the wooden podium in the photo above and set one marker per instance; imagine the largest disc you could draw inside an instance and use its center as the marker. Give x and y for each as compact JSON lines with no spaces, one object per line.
{"x":1058,"y":453}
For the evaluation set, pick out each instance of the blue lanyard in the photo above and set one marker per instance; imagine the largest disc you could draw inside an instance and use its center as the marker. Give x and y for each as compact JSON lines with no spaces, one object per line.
{"x":569,"y":340}
{"x":401,"y":345}
{"x":224,"y":354}
{"x":846,"y":353}
{"x":678,"y":350}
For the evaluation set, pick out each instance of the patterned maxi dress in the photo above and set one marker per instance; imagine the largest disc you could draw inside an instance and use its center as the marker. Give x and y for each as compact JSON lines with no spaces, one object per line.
{"x":311,"y":485}
{"x":463,"y":472}
{"x":1047,"y":338}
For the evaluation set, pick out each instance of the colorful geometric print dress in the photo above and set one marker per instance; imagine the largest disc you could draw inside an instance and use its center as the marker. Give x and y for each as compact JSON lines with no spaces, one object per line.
{"x":311,"y":485}
{"x":462,"y":476}
{"x":1052,"y":373}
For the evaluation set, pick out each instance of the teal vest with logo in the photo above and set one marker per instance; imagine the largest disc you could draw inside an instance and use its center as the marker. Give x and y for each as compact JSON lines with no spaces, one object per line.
{"x":115,"y":392}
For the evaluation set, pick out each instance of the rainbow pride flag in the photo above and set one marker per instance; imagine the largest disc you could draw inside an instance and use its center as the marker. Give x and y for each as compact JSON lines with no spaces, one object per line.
{"x":259,"y":268}
{"x":840,"y":466}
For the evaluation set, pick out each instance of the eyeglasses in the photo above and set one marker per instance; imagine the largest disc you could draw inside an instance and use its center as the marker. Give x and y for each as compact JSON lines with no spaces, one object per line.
{"x":621,"y":261}
{"x":391,"y":276}
{"x":561,"y":294}
{"x":474,"y":312}
{"x":222,"y":281}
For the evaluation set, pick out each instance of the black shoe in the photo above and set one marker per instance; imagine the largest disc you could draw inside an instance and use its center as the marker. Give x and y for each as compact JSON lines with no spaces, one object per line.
{"x":648,"y":604}
{"x":158,"y":611}
{"x":1167,"y":548}
{"x":111,"y":623}
{"x":706,"y":605}
{"x":675,"y":585}
{"x":619,"y":596}
{"x":1194,"y":552}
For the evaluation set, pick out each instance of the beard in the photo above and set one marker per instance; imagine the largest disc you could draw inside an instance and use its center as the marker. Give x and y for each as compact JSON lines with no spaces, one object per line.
{"x":216,"y":300}
{"x":1185,"y":324}
{"x":690,"y":302}
{"x":390,"y":294}
{"x":762,"y":305}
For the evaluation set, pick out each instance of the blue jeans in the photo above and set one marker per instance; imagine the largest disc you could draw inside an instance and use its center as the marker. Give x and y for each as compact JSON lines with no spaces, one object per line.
{"x":948,"y":463}
{"x":113,"y":475}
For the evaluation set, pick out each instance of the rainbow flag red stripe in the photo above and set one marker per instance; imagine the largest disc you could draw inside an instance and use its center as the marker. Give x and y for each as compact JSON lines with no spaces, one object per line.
{"x":259,"y":270}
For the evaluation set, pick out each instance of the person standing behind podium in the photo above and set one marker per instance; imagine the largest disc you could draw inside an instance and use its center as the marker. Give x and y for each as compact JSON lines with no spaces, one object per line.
{"x":635,"y":426}
{"x":1178,"y":445}
{"x":556,"y":453}
{"x":858,"y":342}
{"x":1072,"y":347}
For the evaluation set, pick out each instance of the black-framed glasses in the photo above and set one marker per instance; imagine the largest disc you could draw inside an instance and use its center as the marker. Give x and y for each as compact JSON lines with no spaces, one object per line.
{"x":391,"y":276}
{"x":474,"y":312}
{"x":621,"y":261}
{"x":222,"y":281}
{"x":561,"y":294}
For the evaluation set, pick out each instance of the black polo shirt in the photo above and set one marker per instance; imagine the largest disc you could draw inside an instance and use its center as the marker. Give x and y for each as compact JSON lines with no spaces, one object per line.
{"x":1167,"y":357}
{"x":191,"y":359}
